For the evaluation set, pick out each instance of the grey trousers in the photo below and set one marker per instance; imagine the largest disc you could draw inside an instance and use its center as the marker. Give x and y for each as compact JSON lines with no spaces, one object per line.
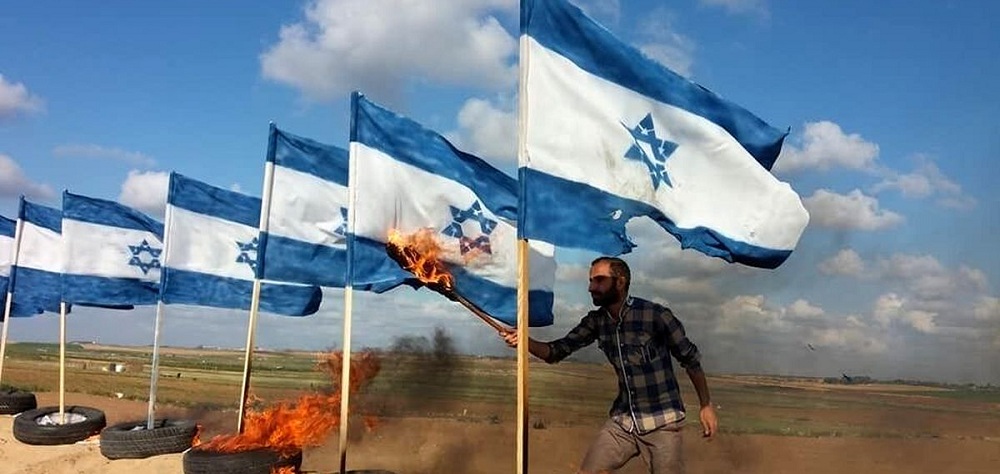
{"x":660,"y":450}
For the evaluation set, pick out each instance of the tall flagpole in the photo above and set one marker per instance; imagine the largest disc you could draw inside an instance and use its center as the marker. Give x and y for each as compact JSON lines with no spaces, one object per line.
{"x":265,"y":216}
{"x":522,"y":268}
{"x":62,"y":362}
{"x":9,"y":304}
{"x":154,"y":369}
{"x":345,"y":371}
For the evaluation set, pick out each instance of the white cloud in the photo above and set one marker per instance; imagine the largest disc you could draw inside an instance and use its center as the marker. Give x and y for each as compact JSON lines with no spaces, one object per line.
{"x":890,"y":308}
{"x":15,"y":98}
{"x":758,"y":7}
{"x":845,"y":262}
{"x":988,"y":309}
{"x":377,"y":46}
{"x":854,"y":210}
{"x":662,"y":43}
{"x":487,"y":130}
{"x":146,"y":191}
{"x":925,"y":181}
{"x":13,"y":182}
{"x":133,"y":158}
{"x":744,"y":314}
{"x":852,"y":338}
{"x":803,"y":309}
{"x":825,"y":146}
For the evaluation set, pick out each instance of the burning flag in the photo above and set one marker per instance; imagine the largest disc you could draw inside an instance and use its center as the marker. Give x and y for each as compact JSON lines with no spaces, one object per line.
{"x":410,"y":179}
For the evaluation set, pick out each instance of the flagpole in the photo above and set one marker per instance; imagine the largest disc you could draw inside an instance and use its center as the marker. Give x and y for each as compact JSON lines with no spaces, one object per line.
{"x":62,"y":362}
{"x":345,"y":370}
{"x":262,"y":228}
{"x":9,"y":304}
{"x":154,"y":369}
{"x":522,"y":267}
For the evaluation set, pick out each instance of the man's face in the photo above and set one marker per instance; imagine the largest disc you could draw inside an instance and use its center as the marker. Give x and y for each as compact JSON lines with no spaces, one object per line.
{"x":603,"y":286}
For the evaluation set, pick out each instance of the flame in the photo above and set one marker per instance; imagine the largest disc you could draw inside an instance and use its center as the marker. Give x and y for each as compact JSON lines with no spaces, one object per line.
{"x":283,"y":470}
{"x":287,"y":427}
{"x":420,"y":254}
{"x":371,"y":423}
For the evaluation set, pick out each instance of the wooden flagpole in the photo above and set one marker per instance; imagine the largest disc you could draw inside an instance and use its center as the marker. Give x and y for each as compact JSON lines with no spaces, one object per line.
{"x":522,"y":267}
{"x":62,"y":362}
{"x":9,"y":304}
{"x":345,"y":371}
{"x":265,"y":216}
{"x":154,"y":369}
{"x":522,"y":356}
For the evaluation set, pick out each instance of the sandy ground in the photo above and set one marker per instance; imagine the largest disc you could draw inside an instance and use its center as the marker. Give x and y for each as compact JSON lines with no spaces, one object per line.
{"x":417,"y":445}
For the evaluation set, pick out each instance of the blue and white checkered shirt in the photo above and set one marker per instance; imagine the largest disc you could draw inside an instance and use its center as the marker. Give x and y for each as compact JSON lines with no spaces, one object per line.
{"x":639,"y":348}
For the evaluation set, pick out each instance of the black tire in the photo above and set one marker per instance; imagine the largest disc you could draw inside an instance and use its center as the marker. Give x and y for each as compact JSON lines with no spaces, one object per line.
{"x":13,"y":401}
{"x":27,"y":429}
{"x":257,"y":461}
{"x":131,"y":440}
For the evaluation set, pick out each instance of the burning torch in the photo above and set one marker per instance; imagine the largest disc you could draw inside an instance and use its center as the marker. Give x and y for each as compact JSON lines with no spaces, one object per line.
{"x":417,"y":253}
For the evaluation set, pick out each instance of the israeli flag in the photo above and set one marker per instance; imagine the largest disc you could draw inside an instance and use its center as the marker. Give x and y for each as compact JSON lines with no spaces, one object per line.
{"x":36,"y":275}
{"x":610,"y":134}
{"x":7,"y":228}
{"x":113,"y":253}
{"x":211,"y":253}
{"x":306,"y":232}
{"x":408,"y":178}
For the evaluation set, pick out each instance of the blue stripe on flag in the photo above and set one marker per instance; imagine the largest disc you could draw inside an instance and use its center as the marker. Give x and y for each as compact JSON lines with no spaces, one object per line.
{"x":7,"y":226}
{"x":564,"y":29}
{"x":572,"y":223}
{"x":501,"y":301}
{"x":202,"y":198}
{"x":41,"y":216}
{"x":285,"y":257}
{"x":192,"y":288}
{"x":308,"y":156}
{"x":104,"y":291}
{"x":109,"y":213}
{"x":373,"y":269}
{"x":409,"y":142}
{"x":36,"y":291}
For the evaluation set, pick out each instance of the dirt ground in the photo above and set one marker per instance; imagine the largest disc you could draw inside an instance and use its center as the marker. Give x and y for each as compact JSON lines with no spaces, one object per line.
{"x":426,"y":445}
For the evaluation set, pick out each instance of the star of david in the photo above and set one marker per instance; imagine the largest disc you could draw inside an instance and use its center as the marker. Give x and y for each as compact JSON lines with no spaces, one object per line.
{"x":248,"y":253}
{"x":136,"y":259}
{"x":644,"y":138}
{"x":467,"y":240}
{"x":341,"y":230}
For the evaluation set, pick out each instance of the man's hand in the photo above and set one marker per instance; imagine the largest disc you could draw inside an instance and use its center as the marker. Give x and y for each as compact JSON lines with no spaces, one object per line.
{"x":709,"y":421}
{"x":509,"y":336}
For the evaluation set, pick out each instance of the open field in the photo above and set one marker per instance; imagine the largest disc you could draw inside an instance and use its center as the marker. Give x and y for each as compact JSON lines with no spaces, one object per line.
{"x":457,"y":414}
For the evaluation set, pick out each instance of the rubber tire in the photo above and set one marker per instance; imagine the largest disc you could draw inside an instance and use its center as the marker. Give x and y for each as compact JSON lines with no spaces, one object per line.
{"x":28,"y":431}
{"x":13,"y":401}
{"x":121,"y":441}
{"x":257,"y":461}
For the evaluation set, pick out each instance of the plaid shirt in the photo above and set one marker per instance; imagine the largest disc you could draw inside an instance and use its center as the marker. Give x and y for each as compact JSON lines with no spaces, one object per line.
{"x":639,"y":348}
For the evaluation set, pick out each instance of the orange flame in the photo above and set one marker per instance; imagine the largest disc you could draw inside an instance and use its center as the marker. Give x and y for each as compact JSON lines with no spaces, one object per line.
{"x":288,"y":427}
{"x":420,"y":254}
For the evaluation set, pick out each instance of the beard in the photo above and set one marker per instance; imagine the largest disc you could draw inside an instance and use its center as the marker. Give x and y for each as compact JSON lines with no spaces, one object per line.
{"x":605,"y":298}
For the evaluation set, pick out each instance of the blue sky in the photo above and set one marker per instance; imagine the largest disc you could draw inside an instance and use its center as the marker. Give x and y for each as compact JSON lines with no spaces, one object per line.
{"x":894,"y":149}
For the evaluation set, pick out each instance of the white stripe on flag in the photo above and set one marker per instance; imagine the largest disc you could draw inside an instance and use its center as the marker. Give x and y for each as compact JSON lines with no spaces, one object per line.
{"x":204,"y":244}
{"x":100,"y":250}
{"x":307,"y":208}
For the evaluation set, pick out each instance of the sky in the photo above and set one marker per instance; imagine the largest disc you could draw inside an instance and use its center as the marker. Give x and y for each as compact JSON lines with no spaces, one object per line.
{"x":894,"y":148}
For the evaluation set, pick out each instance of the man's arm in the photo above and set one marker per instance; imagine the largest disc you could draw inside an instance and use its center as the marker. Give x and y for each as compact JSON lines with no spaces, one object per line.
{"x":709,"y":420}
{"x":536,"y":348}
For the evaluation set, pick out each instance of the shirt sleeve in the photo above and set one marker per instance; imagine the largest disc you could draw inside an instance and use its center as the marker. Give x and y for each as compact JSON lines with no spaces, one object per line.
{"x":577,"y":338}
{"x":681,"y":347}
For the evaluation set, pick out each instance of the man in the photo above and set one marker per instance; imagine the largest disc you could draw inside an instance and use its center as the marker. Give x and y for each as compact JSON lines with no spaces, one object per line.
{"x":638,"y":337}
